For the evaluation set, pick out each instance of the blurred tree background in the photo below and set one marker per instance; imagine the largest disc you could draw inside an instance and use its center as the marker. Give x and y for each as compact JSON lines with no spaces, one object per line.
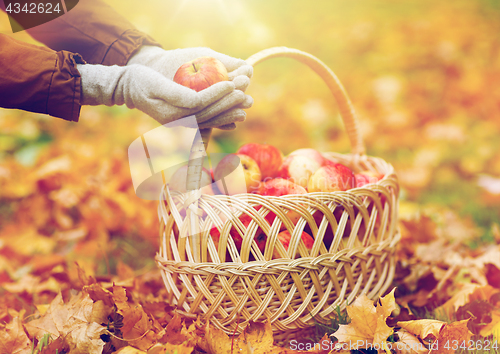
{"x":423,"y":76}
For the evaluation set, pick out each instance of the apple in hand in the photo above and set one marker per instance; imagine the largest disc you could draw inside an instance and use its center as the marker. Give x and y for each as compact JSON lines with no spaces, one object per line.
{"x":200,"y":73}
{"x":232,"y":183}
{"x":178,"y":181}
{"x":309,"y":153}
{"x":285,"y":236}
{"x":278,"y":186}
{"x":331,"y":179}
{"x":268,"y":157}
{"x":298,"y":169}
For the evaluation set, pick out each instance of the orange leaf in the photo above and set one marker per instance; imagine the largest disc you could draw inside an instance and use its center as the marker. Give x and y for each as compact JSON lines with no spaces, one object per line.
{"x":468,"y":293}
{"x":451,"y":334}
{"x":257,"y":338}
{"x":173,"y":333}
{"x":137,"y":327}
{"x":168,"y":348}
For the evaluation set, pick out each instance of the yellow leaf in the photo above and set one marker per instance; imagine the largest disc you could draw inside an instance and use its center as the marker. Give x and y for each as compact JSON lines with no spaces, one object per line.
{"x":388,"y":304}
{"x":367,"y":327}
{"x":42,"y":308}
{"x":409,"y":344}
{"x":422,"y":328}
{"x":129,"y":350}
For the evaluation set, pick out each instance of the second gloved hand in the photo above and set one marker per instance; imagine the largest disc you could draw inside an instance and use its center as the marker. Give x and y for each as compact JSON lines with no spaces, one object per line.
{"x":143,"y":88}
{"x":167,"y":62}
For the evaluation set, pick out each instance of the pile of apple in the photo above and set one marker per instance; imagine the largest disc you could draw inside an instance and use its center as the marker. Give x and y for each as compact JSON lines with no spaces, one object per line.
{"x":269,"y":173}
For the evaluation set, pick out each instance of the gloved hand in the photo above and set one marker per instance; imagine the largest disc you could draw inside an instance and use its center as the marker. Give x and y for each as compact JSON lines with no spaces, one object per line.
{"x":167,"y":62}
{"x":143,"y":88}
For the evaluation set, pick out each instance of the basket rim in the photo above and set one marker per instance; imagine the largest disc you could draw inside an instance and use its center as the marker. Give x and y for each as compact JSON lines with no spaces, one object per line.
{"x":357,"y":159}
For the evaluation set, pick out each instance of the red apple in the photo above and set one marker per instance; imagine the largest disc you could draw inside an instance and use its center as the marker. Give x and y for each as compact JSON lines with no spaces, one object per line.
{"x":298,"y":169}
{"x":367,"y":177}
{"x":331,"y":179}
{"x":268,"y":157}
{"x":328,"y":162}
{"x":232,"y":183}
{"x":291,"y":214}
{"x":178,"y":181}
{"x":278,"y":186}
{"x":285,"y":236}
{"x":309,"y":153}
{"x":200,"y":73}
{"x":361,"y":180}
{"x":245,"y":220}
{"x":373,"y":174}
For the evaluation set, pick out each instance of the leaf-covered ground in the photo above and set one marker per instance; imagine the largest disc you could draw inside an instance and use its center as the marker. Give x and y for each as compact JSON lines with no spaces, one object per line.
{"x":77,"y":246}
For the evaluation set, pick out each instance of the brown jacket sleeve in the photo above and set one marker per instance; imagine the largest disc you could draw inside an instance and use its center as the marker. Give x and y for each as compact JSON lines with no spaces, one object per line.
{"x":94,"y":30}
{"x":38,"y":79}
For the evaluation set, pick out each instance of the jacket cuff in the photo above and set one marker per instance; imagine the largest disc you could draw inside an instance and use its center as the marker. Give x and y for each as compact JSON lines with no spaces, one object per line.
{"x":65,"y":87}
{"x":120,"y":51}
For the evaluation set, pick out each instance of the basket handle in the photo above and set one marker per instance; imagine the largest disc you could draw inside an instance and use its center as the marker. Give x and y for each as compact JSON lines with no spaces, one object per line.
{"x":346,"y":109}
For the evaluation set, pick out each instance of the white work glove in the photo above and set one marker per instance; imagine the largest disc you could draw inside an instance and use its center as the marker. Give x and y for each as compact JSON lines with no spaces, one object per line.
{"x":167,"y":62}
{"x":143,"y":88}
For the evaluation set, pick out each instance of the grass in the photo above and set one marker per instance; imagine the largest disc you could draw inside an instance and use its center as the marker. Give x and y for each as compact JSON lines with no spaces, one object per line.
{"x":42,"y":343}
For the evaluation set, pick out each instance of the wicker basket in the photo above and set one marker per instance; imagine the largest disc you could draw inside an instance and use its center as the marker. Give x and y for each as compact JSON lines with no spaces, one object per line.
{"x":353,"y":253}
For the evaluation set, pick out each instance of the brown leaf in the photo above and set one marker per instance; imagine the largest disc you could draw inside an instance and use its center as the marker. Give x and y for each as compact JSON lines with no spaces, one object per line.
{"x":456,"y":332}
{"x":97,"y":292}
{"x":13,"y":339}
{"x":72,"y":321}
{"x":368,"y":326}
{"x":493,"y":328}
{"x":422,"y":328}
{"x":479,"y":313}
{"x":458,"y":299}
{"x":137,"y":327}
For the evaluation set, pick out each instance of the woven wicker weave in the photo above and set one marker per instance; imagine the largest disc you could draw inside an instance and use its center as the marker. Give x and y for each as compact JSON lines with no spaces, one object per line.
{"x":355,"y":237}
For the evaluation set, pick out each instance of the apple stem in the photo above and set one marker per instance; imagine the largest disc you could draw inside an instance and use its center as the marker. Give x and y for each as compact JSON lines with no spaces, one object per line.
{"x":194,"y":67}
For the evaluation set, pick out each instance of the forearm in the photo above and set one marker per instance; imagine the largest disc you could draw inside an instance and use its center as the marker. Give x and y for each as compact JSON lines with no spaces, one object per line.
{"x":40,"y":80}
{"x":94,"y":30}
